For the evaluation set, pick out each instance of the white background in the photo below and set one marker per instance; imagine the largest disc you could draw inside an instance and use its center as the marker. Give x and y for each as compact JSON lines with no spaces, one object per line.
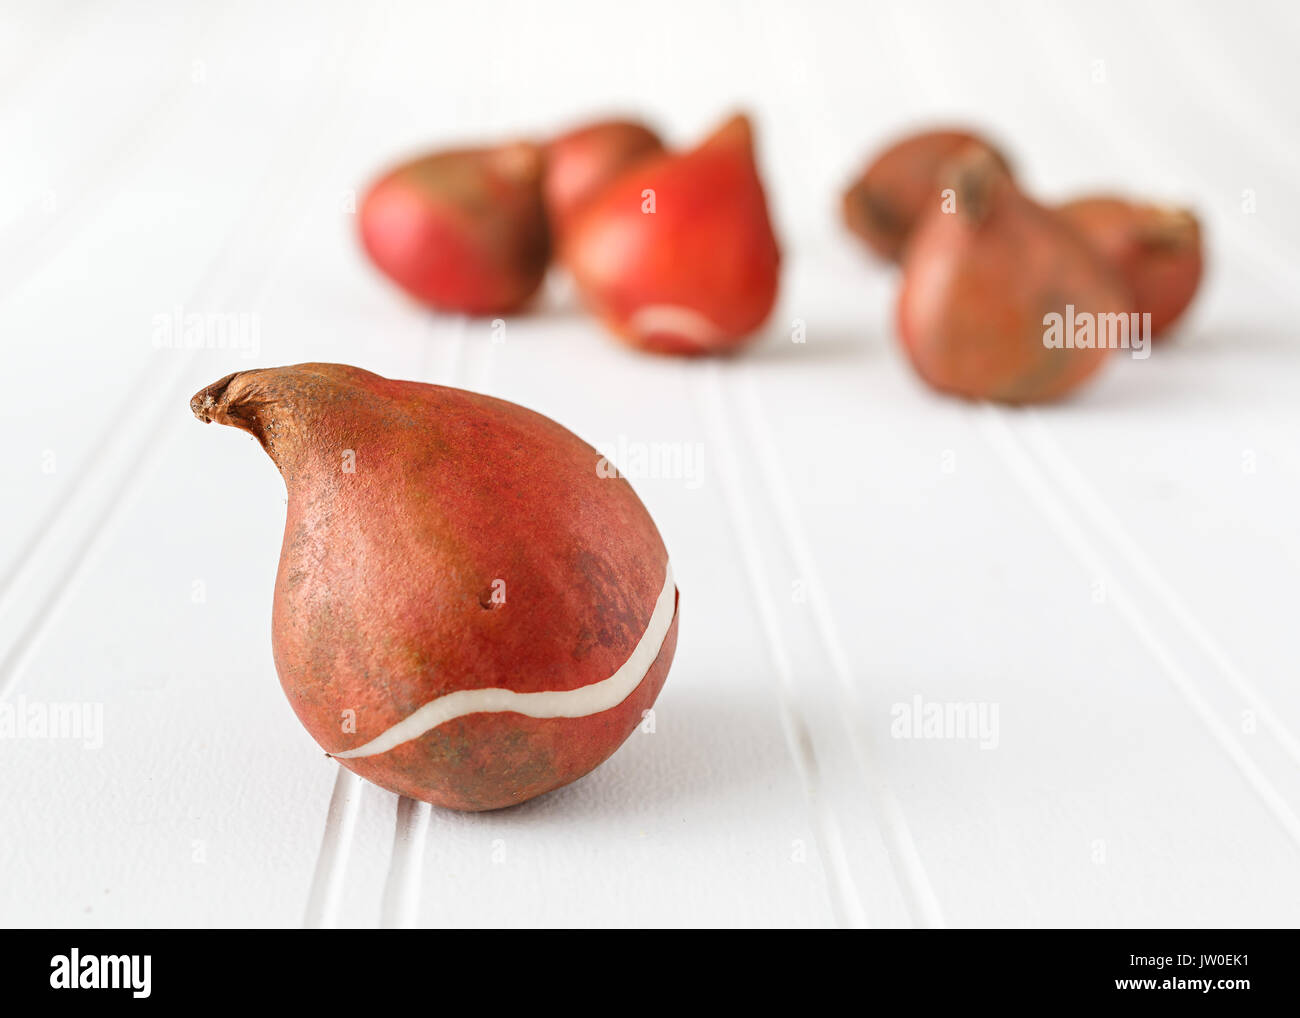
{"x":1117,"y":575}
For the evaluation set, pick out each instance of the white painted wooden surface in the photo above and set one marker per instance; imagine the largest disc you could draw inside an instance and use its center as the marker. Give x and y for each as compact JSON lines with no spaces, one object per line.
{"x":1117,"y":575}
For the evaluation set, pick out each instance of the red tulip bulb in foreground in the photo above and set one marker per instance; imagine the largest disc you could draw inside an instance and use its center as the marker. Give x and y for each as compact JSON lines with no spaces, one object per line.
{"x":468,"y":610}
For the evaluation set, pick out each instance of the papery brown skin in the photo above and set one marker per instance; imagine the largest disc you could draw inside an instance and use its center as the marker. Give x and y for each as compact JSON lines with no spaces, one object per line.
{"x":581,"y":162}
{"x":1157,"y":250}
{"x":979,"y":281}
{"x":902,"y":185}
{"x":699,"y":274}
{"x":462,"y":230}
{"x":383,"y":599}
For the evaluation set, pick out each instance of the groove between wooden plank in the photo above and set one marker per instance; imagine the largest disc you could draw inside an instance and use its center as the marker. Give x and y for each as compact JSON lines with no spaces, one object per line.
{"x":842,"y":890}
{"x":919,"y":892}
{"x":325,"y":897}
{"x":400,"y":907}
{"x":996,"y":430}
{"x":1084,"y":496}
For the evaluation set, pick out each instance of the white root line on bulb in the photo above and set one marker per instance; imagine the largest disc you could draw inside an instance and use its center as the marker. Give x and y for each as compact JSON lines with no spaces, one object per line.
{"x":551,"y":703}
{"x":685,"y":322}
